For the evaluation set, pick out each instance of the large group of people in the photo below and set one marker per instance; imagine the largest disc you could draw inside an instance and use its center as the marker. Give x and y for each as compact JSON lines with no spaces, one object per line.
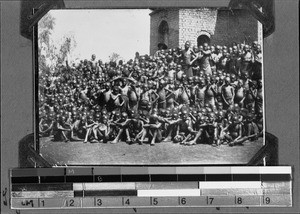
{"x":190,"y":95}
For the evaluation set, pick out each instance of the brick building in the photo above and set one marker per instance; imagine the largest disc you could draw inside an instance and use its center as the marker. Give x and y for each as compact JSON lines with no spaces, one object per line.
{"x":220,"y":26}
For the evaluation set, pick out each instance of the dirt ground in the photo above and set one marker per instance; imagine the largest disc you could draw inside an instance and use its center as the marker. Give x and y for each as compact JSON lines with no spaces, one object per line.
{"x":79,"y":153}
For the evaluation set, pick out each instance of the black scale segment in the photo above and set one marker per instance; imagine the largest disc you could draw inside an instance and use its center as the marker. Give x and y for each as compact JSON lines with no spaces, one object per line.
{"x":79,"y":178}
{"x":218,"y":177}
{"x":246,"y":177}
{"x":52,"y":179}
{"x":275,"y":177}
{"x":78,"y":193}
{"x":34,"y":179}
{"x":95,"y":193}
{"x":191,"y":177}
{"x":135,"y":178}
{"x":107,"y":178}
{"x":163,"y":177}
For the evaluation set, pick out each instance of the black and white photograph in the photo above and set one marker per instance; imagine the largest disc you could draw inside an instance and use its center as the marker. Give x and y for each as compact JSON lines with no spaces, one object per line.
{"x":157,"y":86}
{"x":147,"y":106}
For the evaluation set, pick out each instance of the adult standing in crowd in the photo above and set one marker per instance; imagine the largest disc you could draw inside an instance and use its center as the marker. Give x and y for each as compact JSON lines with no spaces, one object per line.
{"x":205,"y":61}
{"x":187,"y":58}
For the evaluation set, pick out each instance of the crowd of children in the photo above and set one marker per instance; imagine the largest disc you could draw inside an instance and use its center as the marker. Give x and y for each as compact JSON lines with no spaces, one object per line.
{"x":206,"y":94}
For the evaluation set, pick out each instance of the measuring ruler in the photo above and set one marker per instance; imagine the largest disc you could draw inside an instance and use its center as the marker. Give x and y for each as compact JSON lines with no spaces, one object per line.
{"x":134,"y":187}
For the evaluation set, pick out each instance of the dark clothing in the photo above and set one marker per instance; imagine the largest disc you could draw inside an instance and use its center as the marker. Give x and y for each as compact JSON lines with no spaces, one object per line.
{"x":187,"y":57}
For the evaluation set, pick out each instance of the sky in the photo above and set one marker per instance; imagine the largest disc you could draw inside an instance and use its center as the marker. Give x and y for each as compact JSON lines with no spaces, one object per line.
{"x":104,"y":31}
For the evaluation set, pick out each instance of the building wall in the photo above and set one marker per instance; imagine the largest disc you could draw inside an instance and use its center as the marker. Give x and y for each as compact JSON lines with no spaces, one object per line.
{"x":234,"y":26}
{"x":195,"y":22}
{"x":222,"y":26}
{"x":171,"y":16}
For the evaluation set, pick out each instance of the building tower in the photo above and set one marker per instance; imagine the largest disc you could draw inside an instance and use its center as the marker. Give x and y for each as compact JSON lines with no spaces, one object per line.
{"x":217,"y":26}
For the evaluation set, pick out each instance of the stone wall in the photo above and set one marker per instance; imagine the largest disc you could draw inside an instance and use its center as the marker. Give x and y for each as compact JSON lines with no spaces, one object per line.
{"x":171,"y":16}
{"x":196,"y":22}
{"x":222,"y":26}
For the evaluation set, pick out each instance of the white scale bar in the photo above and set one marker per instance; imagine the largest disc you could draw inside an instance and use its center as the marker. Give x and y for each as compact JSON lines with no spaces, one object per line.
{"x":104,"y":186}
{"x":230,"y":185}
{"x":77,"y":186}
{"x":168,"y":192}
{"x":261,"y":170}
{"x":275,"y":170}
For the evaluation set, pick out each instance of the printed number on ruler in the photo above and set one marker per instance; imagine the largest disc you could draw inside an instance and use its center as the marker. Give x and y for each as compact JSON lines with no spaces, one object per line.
{"x":127,"y":201}
{"x":210,"y":200}
{"x":99,"y":202}
{"x":238,"y":200}
{"x":266,"y":200}
{"x":41,"y":203}
{"x":182,"y":201}
{"x":69,"y":203}
{"x":154,"y":201}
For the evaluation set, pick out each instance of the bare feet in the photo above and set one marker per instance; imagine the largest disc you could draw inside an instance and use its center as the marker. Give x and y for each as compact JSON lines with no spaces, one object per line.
{"x":231,"y":143}
{"x":76,"y":139}
{"x":191,"y":143}
{"x":114,"y":142}
{"x":95,"y":141}
{"x":167,"y":139}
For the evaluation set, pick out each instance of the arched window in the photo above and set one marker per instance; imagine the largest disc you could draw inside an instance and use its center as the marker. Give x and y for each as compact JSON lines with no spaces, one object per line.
{"x":203,"y":39}
{"x":163,"y":33}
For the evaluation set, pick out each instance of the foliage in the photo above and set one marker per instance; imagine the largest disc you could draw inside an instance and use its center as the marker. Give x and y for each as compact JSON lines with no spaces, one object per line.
{"x":45,"y":48}
{"x":68,"y":44}
{"x":114,"y":57}
{"x":52,"y":54}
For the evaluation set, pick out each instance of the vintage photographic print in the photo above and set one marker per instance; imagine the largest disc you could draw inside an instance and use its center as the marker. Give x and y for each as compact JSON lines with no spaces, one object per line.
{"x":160,"y":86}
